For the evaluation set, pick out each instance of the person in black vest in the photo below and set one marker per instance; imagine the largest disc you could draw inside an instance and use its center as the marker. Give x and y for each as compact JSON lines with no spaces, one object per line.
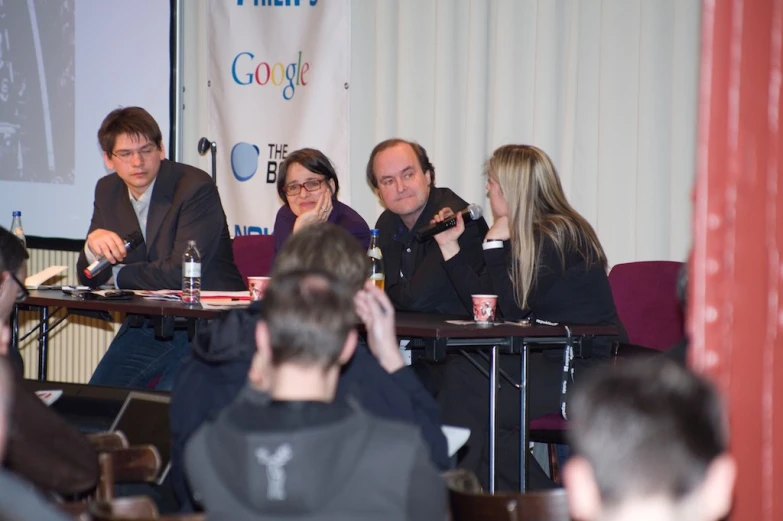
{"x":286,"y":447}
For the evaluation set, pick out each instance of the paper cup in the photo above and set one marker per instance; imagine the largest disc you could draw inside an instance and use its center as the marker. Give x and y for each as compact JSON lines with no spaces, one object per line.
{"x":484,"y":308}
{"x":257,"y":286}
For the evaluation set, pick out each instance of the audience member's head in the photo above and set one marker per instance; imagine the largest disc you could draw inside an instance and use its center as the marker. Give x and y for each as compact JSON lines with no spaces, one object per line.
{"x":402,"y":175}
{"x":307,"y":333}
{"x":13,"y":271}
{"x":327,"y":247}
{"x":650,"y":442}
{"x":303,"y":176}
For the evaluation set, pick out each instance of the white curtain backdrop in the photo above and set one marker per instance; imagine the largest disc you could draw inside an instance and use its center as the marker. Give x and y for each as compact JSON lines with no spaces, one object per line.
{"x":606,"y":87}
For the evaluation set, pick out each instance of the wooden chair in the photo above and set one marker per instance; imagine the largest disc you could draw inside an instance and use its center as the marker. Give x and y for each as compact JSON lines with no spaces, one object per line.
{"x":136,"y":464}
{"x":550,"y":505}
{"x":107,"y":441}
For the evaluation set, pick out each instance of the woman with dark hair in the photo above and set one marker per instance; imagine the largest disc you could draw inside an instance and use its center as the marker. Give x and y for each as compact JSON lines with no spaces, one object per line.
{"x":544,"y":261}
{"x":42,"y":447}
{"x":308,"y":186}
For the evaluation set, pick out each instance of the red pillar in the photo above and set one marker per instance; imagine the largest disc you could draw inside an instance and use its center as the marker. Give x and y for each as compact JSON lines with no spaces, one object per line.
{"x":736,"y":313}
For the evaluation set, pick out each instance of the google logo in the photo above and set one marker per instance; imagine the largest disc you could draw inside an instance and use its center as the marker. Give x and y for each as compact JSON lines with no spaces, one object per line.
{"x":264,"y":73}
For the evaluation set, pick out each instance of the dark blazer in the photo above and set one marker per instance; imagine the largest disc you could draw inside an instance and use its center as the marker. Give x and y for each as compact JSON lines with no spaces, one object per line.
{"x":185,"y":205}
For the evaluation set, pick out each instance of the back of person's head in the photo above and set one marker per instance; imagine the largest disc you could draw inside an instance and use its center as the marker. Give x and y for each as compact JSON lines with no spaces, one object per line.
{"x":327,"y":247}
{"x":311,"y":159}
{"x":131,"y":121}
{"x":308,"y":315}
{"x":536,"y":203}
{"x":649,"y":432}
{"x":12,"y":252}
{"x":421,"y":156}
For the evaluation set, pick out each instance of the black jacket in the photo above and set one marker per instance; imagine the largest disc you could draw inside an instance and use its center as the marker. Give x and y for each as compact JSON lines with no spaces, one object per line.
{"x":415,"y":278}
{"x":218,"y":369}
{"x":185,"y":205}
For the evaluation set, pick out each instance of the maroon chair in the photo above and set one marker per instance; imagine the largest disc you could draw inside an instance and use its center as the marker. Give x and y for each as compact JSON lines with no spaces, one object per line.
{"x":645,"y":294}
{"x":253,"y":254}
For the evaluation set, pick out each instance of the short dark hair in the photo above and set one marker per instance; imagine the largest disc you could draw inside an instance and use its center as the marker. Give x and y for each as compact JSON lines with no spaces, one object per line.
{"x":314,"y":161}
{"x":309,"y":315}
{"x":324,"y":246}
{"x":12,"y":251}
{"x":421,"y":155}
{"x":647,"y":427}
{"x":133,"y":121}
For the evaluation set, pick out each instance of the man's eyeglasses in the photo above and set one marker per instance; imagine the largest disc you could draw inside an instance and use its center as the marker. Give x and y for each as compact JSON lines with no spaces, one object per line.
{"x":310,"y":186}
{"x":22,"y":294}
{"x":144,"y":152}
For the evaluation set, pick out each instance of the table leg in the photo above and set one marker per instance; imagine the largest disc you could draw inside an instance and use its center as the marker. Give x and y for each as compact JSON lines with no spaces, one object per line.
{"x":523,"y":426}
{"x":493,"y":389}
{"x":43,"y":344}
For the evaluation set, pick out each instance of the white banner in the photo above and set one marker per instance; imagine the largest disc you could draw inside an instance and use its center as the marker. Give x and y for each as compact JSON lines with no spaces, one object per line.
{"x":279,"y":73}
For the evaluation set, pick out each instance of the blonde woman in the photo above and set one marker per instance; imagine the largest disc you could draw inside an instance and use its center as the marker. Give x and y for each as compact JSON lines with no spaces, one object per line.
{"x":545,"y":262}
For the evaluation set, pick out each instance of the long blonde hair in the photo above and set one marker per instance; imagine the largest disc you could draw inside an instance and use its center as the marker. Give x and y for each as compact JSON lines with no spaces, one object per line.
{"x":536,"y":203}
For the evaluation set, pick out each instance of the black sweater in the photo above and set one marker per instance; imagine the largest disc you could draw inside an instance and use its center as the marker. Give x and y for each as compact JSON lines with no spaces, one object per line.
{"x":565,"y":291}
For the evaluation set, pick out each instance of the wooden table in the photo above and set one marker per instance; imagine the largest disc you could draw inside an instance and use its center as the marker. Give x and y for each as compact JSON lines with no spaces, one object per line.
{"x":437,"y":335}
{"x":440,"y":336}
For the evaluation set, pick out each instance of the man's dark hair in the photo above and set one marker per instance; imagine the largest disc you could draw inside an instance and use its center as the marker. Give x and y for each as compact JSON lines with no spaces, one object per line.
{"x":133,"y":121}
{"x":309,"y":315}
{"x":325,"y":246}
{"x":421,"y":155}
{"x":649,"y":426}
{"x":12,"y":252}
{"x":314,"y":161}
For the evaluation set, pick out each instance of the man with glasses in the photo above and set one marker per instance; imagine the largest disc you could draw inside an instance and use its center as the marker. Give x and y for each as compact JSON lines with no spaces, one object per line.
{"x":170,"y":204}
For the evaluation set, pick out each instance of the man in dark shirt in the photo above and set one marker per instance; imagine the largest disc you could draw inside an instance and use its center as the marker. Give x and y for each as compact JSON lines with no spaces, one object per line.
{"x":289,"y":446}
{"x":404,"y":179}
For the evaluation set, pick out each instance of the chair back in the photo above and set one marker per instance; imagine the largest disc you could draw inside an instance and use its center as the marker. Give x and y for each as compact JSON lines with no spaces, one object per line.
{"x":136,"y":464}
{"x":107,"y":441}
{"x":549,"y":505}
{"x":132,"y":507}
{"x":253,"y":254}
{"x":645,"y":294}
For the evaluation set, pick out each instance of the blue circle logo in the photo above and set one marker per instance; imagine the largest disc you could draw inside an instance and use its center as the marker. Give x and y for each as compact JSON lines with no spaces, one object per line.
{"x":244,"y":160}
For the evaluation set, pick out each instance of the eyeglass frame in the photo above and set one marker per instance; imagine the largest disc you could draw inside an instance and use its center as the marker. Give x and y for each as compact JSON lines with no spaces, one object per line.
{"x":299,"y":186}
{"x":143,"y":152}
{"x":22,"y":294}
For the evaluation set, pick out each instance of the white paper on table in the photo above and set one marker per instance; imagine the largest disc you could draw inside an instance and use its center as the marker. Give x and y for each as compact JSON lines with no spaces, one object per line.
{"x":33,"y":281}
{"x":49,"y":397}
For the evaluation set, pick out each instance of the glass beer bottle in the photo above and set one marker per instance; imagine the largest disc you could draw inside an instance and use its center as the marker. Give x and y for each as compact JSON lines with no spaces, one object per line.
{"x":377,"y":274}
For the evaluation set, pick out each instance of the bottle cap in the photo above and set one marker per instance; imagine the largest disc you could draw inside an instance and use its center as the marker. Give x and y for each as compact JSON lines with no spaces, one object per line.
{"x":17,"y":213}
{"x":374,"y":232}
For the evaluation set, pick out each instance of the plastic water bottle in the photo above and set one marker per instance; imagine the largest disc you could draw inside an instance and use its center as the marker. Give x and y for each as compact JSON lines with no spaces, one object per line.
{"x":191,"y":274}
{"x":377,"y":273}
{"x":16,"y":226}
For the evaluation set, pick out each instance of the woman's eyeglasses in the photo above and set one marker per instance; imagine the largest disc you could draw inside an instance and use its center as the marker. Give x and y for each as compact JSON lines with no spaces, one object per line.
{"x":310,"y":186}
{"x":22,"y":294}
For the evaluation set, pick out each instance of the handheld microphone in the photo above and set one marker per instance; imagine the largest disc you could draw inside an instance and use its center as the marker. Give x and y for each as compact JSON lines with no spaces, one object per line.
{"x":471,"y":213}
{"x":100,"y":264}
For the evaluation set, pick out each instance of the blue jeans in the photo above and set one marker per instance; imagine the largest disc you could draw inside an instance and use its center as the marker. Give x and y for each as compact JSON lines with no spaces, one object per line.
{"x":135,"y":357}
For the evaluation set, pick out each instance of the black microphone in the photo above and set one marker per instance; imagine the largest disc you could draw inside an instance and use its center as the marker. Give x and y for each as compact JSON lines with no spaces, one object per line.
{"x":471,"y":213}
{"x":100,"y":264}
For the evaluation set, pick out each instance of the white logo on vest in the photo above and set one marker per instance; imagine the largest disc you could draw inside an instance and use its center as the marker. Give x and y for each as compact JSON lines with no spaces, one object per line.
{"x":275,"y":473}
